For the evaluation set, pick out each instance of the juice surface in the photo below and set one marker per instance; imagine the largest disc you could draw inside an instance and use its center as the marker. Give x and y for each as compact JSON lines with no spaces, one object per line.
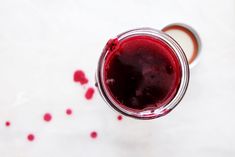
{"x":141,"y":72}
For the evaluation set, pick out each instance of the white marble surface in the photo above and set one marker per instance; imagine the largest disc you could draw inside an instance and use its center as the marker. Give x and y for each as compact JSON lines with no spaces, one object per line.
{"x":42,"y":42}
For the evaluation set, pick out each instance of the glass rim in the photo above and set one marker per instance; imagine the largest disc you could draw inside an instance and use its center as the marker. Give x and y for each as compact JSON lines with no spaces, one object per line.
{"x":156,"y":112}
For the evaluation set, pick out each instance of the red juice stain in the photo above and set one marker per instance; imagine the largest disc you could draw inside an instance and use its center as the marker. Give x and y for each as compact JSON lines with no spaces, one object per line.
{"x":79,"y":76}
{"x":89,"y":93}
{"x":30,"y":137}
{"x":119,"y":117}
{"x":69,"y":111}
{"x":7,"y":123}
{"x":47,"y":117}
{"x":93,"y":134}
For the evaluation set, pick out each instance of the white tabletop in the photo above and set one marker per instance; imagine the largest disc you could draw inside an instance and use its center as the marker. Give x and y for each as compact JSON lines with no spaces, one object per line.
{"x":42,"y":43}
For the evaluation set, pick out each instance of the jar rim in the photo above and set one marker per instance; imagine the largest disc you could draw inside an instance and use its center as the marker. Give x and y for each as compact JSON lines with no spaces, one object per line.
{"x":157,"y":112}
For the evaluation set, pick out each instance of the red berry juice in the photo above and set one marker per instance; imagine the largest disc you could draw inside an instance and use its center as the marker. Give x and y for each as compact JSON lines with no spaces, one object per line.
{"x":141,"y":72}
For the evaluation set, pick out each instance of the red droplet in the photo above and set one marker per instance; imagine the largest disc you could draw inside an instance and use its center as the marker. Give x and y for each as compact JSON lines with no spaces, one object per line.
{"x":69,"y":111}
{"x":7,"y":123}
{"x":89,"y":93}
{"x":47,"y":117}
{"x":93,"y":134}
{"x":30,"y":137}
{"x":79,"y":76}
{"x":119,"y":117}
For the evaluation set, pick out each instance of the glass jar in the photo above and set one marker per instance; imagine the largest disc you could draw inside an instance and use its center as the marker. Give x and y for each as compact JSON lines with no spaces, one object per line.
{"x":151,"y":112}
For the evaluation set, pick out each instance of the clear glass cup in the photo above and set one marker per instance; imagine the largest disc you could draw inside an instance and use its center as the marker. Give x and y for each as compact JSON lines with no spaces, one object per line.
{"x":153,"y":112}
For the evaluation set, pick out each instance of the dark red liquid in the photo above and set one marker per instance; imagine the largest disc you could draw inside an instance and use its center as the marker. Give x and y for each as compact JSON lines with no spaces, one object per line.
{"x":141,"y":72}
